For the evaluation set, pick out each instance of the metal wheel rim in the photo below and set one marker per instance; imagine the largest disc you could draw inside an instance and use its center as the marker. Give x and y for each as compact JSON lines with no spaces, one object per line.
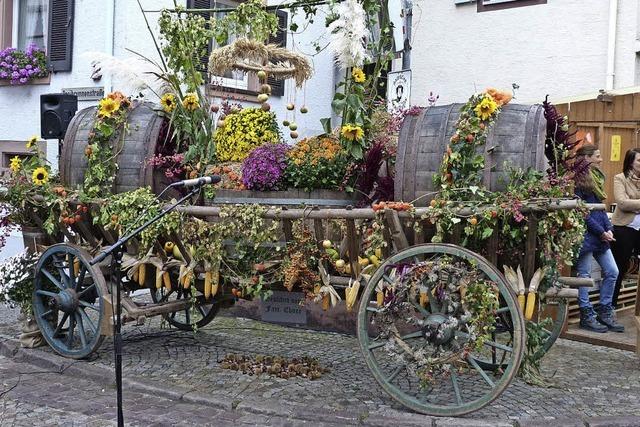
{"x":505,"y":292}
{"x":51,"y":297}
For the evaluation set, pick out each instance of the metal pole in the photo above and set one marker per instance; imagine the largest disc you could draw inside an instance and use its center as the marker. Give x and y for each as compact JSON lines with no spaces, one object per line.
{"x":116,"y":264}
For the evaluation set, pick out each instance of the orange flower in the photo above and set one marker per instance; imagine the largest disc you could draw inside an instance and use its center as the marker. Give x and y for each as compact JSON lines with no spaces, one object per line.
{"x":501,"y":97}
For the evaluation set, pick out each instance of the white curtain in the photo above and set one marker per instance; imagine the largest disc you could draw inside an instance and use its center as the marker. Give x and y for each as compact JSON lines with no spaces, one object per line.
{"x":33,"y":22}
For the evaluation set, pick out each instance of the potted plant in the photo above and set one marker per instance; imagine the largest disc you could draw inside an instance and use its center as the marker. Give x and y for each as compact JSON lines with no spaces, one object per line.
{"x":19,"y":68}
{"x":16,"y":289}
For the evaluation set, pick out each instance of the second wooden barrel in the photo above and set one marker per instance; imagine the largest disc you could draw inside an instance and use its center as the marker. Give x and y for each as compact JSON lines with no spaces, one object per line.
{"x":517,"y":138}
{"x":140,"y":142}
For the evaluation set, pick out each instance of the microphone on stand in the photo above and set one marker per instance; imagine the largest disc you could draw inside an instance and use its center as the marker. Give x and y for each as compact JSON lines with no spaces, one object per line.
{"x":205,"y":180}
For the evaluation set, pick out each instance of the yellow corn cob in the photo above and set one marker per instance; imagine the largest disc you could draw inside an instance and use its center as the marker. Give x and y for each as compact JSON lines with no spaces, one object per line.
{"x":316,"y":289}
{"x":181,"y":276}
{"x":531,"y":302}
{"x":76,"y":267}
{"x":521,"y":302}
{"x":424,"y":298}
{"x":326,"y":301}
{"x":142,"y":274}
{"x":186,"y":280}
{"x":215,"y":282}
{"x":158,"y":278}
{"x":380,"y":298}
{"x":166,"y":280}
{"x":135,"y":275}
{"x":207,"y":284}
{"x":463,"y":291}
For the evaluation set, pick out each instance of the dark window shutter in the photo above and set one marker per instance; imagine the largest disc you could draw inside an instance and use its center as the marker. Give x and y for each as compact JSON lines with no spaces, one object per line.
{"x":280,"y":39}
{"x":204,"y":60}
{"x":60,"y":43}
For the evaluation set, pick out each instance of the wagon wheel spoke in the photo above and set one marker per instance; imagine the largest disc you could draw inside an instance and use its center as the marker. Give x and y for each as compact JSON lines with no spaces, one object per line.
{"x":85,"y":290}
{"x":412,"y":335}
{"x":481,"y":371}
{"x":72,"y":326}
{"x":88,"y":305}
{"x":83,"y":336}
{"x":488,"y":343}
{"x":60,"y":325}
{"x":53,"y":279}
{"x":72,"y":275}
{"x":88,"y":321}
{"x":201,"y":310}
{"x":46,"y":293}
{"x":456,"y":387}
{"x":59,"y":264}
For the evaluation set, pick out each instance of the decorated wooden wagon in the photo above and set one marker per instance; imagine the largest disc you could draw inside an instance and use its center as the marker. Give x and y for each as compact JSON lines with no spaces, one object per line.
{"x":441,"y":328}
{"x":479,"y":188}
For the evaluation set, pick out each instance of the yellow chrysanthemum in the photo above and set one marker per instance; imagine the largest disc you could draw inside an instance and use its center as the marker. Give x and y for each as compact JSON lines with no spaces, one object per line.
{"x":15,"y":164}
{"x":486,"y":107}
{"x":107,"y":107}
{"x":32,"y":141}
{"x":358,"y":75}
{"x":40,"y":176}
{"x":168,"y":102}
{"x":190,"y":101}
{"x":351,"y":132}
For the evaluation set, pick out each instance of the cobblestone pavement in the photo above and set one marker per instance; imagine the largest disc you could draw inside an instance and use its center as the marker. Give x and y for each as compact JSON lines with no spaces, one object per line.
{"x":590,"y":381}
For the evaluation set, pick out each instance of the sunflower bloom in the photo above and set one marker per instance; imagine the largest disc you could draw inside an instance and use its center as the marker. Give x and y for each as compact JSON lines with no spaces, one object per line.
{"x":358,"y":75}
{"x":190,"y":101}
{"x":486,"y":107}
{"x":168,"y":102}
{"x":351,"y":132}
{"x":32,"y":141}
{"x":15,"y":164}
{"x":107,"y":107}
{"x":40,"y":176}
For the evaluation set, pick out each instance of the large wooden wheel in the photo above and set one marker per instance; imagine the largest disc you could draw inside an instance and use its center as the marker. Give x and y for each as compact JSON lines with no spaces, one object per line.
{"x":421,"y":332}
{"x":196,"y":315}
{"x":67,"y":300}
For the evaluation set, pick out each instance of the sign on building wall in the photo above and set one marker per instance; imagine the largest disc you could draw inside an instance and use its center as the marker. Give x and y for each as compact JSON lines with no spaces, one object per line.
{"x":399,"y":90}
{"x":85,"y":93}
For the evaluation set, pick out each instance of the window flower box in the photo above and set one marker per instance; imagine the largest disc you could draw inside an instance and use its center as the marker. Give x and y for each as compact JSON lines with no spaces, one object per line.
{"x":23,"y":67}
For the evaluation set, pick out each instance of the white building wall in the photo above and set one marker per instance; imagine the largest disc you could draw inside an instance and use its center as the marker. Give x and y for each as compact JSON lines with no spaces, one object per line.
{"x":559,"y":48}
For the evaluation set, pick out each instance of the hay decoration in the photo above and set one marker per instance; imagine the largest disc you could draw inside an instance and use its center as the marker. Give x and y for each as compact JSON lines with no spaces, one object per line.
{"x":250,"y":55}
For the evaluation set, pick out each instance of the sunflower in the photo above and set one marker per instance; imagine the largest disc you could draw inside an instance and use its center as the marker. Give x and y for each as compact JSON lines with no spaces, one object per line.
{"x":107,"y":107}
{"x":358,"y":75}
{"x":40,"y":176}
{"x":168,"y":102}
{"x":190,"y":101}
{"x":32,"y":141}
{"x":15,"y":164}
{"x":486,"y":107}
{"x":351,"y":132}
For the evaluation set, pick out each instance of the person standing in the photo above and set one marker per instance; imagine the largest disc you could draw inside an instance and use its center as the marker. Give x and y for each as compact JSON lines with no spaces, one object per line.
{"x":589,"y":186}
{"x":626,"y":217}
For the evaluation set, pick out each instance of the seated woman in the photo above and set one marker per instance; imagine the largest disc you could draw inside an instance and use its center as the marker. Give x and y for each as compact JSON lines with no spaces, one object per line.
{"x":590,"y":188}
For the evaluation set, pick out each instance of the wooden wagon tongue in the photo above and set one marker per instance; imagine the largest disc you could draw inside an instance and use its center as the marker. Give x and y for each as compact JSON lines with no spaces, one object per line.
{"x":517,"y":138}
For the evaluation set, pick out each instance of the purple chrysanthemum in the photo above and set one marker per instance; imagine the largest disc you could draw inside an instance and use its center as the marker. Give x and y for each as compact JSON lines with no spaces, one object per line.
{"x":264,"y":168}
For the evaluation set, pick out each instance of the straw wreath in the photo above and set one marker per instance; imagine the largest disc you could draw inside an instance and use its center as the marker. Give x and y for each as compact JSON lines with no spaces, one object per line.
{"x":250,"y":55}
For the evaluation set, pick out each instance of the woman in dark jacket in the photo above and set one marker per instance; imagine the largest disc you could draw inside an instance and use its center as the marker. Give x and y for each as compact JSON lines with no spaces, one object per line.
{"x":590,"y":188}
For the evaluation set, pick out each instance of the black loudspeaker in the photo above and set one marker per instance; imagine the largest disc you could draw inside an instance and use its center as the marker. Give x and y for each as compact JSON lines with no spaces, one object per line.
{"x":56,"y":111}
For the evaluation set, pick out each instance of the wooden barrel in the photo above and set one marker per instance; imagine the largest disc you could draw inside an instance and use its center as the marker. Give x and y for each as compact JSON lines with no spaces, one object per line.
{"x":517,"y":137}
{"x":139,"y":145}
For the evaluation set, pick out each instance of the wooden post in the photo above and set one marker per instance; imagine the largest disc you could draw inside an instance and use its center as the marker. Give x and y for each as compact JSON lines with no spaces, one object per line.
{"x":353,"y":245}
{"x":530,"y":250}
{"x":395,"y":228}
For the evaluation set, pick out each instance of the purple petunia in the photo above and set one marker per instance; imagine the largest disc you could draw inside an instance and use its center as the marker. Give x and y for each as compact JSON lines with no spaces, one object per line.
{"x":264,"y":168}
{"x":20,"y":67}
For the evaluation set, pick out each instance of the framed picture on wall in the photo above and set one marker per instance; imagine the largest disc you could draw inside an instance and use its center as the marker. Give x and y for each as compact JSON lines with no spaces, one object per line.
{"x":489,"y":5}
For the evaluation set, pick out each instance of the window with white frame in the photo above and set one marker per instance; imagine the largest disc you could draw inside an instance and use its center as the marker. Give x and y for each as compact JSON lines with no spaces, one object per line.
{"x":231,"y":79}
{"x":30,"y":23}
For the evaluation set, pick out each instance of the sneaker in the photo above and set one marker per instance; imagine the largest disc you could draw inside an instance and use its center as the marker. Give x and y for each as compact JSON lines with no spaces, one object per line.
{"x":607,"y":317}
{"x":588,"y":321}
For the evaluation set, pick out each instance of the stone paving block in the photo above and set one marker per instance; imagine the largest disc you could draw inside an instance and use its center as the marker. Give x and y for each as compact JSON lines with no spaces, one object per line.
{"x":463,"y":422}
{"x":555,"y":422}
{"x":614,"y":422}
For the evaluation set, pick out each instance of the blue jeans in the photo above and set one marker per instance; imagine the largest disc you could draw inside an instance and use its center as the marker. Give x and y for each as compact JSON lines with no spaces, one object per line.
{"x":609,"y":276}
